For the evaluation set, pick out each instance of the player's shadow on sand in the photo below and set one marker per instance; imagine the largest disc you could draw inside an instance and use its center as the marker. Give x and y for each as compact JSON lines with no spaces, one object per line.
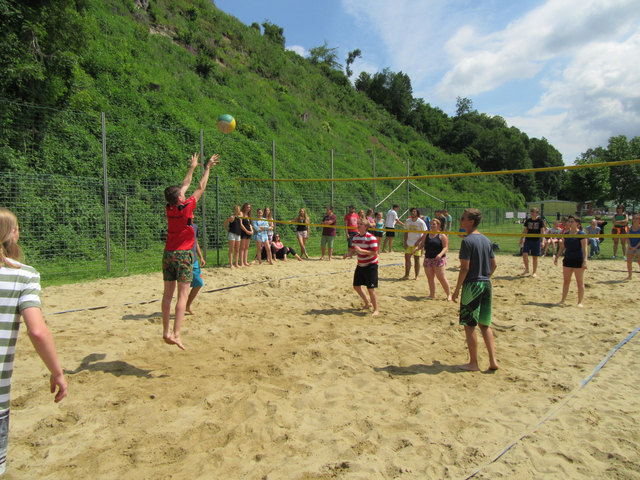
{"x":394,"y":280}
{"x":413,"y":298}
{"x":543,"y":304}
{"x":330,"y":311}
{"x":509,"y":277}
{"x":116,"y":367}
{"x":612,"y":282}
{"x":141,"y":316}
{"x":434,"y":369}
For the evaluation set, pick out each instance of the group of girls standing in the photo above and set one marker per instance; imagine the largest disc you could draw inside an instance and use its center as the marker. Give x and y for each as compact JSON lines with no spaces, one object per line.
{"x":242,"y":229}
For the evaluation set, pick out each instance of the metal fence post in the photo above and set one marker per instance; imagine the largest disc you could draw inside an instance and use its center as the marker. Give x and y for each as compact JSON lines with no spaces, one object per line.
{"x":373,"y":154}
{"x":218,"y":242}
{"x":106,"y":192}
{"x":273,"y":177}
{"x":408,"y":191}
{"x":204,"y":203}
{"x":126,"y":198}
{"x":332,"y":176}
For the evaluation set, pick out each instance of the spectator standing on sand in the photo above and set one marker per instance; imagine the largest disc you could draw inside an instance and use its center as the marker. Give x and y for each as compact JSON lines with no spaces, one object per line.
{"x":389,"y":224}
{"x":328,"y":232}
{"x":416,"y":226}
{"x":532,"y":245}
{"x":351,"y":222}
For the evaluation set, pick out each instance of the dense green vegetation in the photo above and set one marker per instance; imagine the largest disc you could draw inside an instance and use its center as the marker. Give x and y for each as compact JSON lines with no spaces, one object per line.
{"x":175,"y":65}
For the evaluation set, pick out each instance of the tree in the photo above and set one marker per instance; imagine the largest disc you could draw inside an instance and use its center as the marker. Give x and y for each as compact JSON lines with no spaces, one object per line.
{"x":363,"y":82}
{"x":588,"y":183}
{"x":324,"y":55}
{"x":545,"y":155}
{"x":350,"y":59}
{"x":463,"y":105}
{"x":625,"y":180}
{"x":274,"y":33}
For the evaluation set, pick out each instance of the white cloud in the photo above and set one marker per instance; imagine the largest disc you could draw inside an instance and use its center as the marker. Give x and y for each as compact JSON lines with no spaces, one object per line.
{"x":553,"y":31}
{"x":572,"y":63}
{"x":599,"y":91}
{"x":299,"y":50}
{"x":359,"y":66}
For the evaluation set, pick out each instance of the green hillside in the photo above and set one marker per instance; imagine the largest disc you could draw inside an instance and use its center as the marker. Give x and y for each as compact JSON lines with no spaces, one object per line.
{"x":176,"y":65}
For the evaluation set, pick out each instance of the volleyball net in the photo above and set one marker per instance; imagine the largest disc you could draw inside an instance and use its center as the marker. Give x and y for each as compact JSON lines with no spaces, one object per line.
{"x":428,"y":193}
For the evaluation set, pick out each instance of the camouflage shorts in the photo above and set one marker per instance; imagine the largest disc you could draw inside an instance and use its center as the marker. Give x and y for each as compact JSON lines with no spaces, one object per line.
{"x":177,"y":265}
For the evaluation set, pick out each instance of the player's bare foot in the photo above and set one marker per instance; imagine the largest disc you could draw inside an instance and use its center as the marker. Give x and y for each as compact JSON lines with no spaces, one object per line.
{"x":188,"y":310}
{"x":175,"y":340}
{"x":406,"y":277}
{"x":580,"y":305}
{"x":366,"y":306}
{"x":449,"y":299}
{"x":561,"y":302}
{"x":375,"y":313}
{"x":493,"y":367}
{"x":534,"y":275}
{"x":469,"y":367}
{"x":525,"y":272}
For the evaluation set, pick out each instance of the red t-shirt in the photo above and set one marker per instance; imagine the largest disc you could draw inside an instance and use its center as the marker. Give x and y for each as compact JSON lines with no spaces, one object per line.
{"x":351,"y":220}
{"x":180,"y":234}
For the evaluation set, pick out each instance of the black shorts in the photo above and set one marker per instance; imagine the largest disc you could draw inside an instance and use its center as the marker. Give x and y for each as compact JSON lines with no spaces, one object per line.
{"x":391,"y":233}
{"x":572,"y":262}
{"x":367,"y":276}
{"x":377,"y":234}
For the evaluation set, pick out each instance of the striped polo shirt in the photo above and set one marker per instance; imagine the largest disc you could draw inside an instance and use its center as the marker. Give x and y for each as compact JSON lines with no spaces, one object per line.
{"x":19,"y":289}
{"x":368,"y":242}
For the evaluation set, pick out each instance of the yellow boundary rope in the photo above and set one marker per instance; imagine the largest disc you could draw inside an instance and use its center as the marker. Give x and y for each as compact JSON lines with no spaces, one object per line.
{"x":490,"y":234}
{"x":457,"y":175}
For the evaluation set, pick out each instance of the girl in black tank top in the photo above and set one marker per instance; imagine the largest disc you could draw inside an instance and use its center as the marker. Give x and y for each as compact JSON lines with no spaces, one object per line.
{"x":435,"y":258}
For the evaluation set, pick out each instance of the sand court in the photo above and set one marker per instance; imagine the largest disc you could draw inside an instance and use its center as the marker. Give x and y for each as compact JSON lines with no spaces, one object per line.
{"x":286,"y":377}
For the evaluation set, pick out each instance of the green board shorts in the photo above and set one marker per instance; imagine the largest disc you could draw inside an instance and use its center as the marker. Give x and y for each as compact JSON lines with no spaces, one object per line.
{"x":475,"y":304}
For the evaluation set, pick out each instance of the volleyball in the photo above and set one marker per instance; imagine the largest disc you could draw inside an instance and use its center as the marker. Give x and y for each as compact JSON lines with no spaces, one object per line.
{"x":226,"y":123}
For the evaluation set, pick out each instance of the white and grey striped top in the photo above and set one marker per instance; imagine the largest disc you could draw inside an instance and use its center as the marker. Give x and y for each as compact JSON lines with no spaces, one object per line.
{"x":19,"y":289}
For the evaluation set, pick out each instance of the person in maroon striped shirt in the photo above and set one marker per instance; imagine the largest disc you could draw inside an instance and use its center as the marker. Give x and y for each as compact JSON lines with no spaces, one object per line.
{"x":365,"y":245}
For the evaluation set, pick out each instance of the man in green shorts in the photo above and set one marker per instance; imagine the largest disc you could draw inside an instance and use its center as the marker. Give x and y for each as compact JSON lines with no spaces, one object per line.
{"x":477,"y":264}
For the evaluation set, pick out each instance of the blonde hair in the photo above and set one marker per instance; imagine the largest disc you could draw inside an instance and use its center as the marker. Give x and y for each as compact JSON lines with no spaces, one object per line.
{"x":8,"y":247}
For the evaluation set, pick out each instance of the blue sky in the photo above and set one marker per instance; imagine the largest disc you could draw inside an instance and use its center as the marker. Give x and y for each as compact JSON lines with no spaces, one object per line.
{"x":566,"y":70}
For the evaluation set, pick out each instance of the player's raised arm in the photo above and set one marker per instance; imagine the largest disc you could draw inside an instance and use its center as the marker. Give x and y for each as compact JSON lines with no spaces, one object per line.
{"x":213,"y":161}
{"x":187,"y":179}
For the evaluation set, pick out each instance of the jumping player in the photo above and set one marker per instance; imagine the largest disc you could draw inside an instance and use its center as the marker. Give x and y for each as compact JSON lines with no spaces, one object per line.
{"x":177,"y":262}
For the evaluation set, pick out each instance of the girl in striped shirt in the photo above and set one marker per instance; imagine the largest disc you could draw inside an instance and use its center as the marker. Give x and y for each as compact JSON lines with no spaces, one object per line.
{"x":20,"y":296}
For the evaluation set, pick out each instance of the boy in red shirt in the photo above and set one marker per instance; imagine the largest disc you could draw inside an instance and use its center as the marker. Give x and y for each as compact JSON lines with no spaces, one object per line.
{"x":365,"y":245}
{"x":177,"y":262}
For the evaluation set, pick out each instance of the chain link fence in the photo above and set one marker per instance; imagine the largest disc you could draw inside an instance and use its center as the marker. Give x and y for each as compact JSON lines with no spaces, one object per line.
{"x":111,"y":221}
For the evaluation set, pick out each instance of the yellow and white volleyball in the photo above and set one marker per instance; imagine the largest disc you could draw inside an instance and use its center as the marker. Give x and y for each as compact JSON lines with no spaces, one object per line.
{"x":226,"y":123}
